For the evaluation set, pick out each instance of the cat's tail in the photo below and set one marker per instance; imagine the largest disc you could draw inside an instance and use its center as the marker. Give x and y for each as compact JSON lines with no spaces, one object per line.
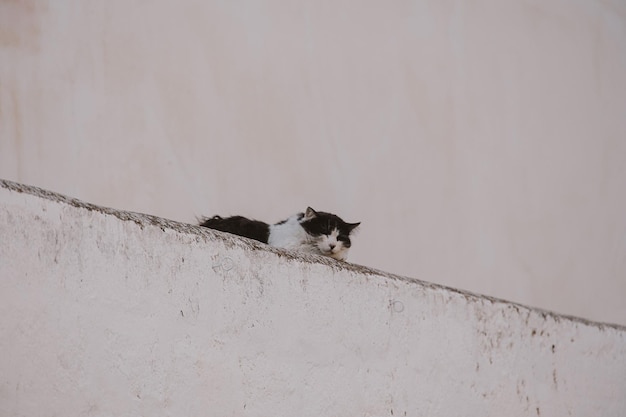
{"x":210,"y":221}
{"x":238,"y":225}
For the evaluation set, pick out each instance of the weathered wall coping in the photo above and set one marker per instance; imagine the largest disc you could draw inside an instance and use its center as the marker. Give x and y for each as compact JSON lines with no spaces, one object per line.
{"x":235,"y":241}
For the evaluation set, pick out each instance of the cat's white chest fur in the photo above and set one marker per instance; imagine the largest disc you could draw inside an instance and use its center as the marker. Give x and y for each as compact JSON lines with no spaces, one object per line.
{"x":289,"y":235}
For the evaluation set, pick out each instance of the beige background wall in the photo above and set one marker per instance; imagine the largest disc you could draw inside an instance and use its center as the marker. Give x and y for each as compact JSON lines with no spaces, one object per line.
{"x":483,"y":146}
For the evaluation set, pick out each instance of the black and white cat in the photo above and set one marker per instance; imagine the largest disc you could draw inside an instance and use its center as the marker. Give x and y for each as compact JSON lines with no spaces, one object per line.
{"x":312,"y":231}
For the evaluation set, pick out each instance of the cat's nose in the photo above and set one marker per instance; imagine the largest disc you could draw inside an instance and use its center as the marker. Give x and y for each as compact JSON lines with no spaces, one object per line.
{"x":332,"y":246}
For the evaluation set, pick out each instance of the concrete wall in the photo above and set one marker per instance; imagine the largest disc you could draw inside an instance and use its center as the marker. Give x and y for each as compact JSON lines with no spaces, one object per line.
{"x":481,"y":145}
{"x":105,"y":312}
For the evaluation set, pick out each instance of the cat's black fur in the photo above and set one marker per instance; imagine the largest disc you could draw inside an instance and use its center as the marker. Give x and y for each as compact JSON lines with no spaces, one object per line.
{"x":239,"y":225}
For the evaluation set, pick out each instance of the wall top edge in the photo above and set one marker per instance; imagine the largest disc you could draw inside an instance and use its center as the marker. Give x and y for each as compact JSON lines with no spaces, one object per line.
{"x":145,"y":220}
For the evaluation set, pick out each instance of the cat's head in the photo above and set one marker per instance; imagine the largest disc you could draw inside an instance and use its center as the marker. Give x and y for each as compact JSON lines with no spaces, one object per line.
{"x":330,"y":234}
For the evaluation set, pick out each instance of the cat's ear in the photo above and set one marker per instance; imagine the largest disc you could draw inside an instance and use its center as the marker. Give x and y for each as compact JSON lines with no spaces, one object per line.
{"x":352,"y":226}
{"x":309,"y":214}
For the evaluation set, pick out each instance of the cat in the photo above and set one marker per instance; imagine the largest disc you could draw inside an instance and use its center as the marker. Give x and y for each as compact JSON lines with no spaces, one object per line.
{"x":312,"y":231}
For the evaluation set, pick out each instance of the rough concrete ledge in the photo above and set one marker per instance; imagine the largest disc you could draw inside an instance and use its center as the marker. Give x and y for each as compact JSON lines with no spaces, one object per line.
{"x":231,"y":241}
{"x":107,"y":312}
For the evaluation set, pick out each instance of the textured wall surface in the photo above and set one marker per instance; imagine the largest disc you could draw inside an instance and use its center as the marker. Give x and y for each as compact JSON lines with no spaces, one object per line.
{"x":105,"y":312}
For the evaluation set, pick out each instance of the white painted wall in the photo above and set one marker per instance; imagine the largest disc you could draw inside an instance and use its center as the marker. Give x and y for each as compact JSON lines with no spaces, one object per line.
{"x":105,"y":312}
{"x":482,"y":145}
